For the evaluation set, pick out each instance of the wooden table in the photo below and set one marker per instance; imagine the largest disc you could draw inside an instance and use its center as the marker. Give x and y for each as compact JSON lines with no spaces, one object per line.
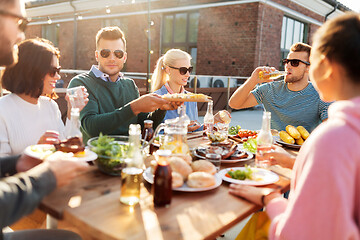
{"x":91,"y":203}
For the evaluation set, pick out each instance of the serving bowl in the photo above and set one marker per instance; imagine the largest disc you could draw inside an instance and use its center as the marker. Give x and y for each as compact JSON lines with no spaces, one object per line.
{"x":112,"y":152}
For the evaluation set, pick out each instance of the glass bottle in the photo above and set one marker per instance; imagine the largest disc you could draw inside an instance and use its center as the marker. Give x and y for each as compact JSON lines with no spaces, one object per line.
{"x":162,"y":187}
{"x":263,"y":75}
{"x":209,"y":118}
{"x":74,"y":130}
{"x":264,"y":142}
{"x":131,"y":174}
{"x":148,"y":131}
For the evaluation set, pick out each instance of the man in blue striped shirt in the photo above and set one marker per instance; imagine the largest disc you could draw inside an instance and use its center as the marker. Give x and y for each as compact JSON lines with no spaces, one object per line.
{"x":292,"y":101}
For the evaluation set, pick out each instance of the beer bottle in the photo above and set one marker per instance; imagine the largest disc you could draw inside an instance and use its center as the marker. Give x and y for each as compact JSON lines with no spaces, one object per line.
{"x":162,"y":187}
{"x":131,"y":175}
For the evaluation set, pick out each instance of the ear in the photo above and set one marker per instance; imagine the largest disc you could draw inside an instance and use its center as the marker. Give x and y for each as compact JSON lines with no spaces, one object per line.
{"x":327,"y":68}
{"x":167,"y":70}
{"x":97,"y":56}
{"x":125,"y":57}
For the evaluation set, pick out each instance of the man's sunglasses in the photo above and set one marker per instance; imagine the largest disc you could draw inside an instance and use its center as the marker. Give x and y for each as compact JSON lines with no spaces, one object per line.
{"x":22,"y":22}
{"x":54,"y":70}
{"x":294,"y":62}
{"x":183,"y":70}
{"x":105,"y":53}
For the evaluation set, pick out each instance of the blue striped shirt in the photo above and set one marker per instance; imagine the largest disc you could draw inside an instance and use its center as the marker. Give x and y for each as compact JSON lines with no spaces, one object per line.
{"x":296,"y":108}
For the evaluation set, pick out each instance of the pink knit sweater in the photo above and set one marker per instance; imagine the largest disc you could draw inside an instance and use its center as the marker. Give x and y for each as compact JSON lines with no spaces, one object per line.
{"x":324,"y":202}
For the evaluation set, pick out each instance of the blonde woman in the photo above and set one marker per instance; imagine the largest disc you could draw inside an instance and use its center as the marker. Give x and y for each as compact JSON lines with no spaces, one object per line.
{"x":171,"y":75}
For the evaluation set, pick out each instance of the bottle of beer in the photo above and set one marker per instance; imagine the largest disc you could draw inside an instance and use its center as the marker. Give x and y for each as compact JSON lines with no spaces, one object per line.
{"x":131,"y":175}
{"x":264,"y":142}
{"x":162,"y":187}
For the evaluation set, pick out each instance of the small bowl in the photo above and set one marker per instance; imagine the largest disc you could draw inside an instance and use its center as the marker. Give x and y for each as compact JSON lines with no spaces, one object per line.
{"x":112,"y":161}
{"x":215,"y":137}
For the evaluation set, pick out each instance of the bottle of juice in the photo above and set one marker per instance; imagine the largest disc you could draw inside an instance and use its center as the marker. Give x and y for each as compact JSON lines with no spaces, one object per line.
{"x":131,"y":174}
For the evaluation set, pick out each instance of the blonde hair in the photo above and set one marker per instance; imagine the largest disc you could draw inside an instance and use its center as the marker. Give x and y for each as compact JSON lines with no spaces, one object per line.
{"x":160,"y":77}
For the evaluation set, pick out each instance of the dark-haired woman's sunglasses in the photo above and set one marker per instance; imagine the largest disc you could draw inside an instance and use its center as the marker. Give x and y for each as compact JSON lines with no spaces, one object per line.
{"x":294,"y":62}
{"x":105,"y":53}
{"x":183,"y":70}
{"x":54,"y":70}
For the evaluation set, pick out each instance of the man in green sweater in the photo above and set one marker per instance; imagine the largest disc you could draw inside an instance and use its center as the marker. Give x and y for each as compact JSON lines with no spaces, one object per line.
{"x":114,"y":100}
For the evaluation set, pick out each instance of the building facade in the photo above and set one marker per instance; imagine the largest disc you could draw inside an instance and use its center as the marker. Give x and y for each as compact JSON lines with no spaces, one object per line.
{"x":227,"y":38}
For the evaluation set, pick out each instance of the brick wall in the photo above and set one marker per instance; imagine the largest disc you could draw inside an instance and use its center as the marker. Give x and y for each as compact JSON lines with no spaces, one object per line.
{"x":232,"y":40}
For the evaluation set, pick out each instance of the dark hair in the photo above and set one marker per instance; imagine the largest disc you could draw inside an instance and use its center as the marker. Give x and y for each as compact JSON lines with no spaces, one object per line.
{"x":301,"y":47}
{"x":27,"y":76}
{"x":110,"y":33}
{"x":339,"y":40}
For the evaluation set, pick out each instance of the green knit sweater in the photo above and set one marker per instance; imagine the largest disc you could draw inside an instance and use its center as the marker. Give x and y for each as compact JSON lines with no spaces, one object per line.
{"x":108,"y":110}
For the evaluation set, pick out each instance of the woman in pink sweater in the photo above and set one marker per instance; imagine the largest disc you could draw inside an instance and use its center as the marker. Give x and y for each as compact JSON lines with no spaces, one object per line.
{"x":324,"y":202}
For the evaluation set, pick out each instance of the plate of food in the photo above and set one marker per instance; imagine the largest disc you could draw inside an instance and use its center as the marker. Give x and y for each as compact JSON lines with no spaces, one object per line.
{"x":249,"y":176}
{"x":278,"y":140}
{"x":231,"y":153}
{"x":195,"y":178}
{"x":187,"y":97}
{"x":49,"y":152}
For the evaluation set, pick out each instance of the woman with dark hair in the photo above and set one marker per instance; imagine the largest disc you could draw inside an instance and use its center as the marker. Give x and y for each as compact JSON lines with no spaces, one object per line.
{"x":29,"y":113}
{"x":324,"y":201}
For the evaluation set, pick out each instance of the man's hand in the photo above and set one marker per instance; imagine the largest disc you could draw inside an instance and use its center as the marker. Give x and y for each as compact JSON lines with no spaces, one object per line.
{"x":148,"y":103}
{"x":255,"y":74}
{"x":66,"y":170}
{"x":171,"y":106}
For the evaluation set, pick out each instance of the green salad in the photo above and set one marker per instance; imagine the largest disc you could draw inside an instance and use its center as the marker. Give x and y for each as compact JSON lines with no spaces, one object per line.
{"x":241,"y":174}
{"x":111,"y":152}
{"x":251,"y":145}
{"x":233,"y":130}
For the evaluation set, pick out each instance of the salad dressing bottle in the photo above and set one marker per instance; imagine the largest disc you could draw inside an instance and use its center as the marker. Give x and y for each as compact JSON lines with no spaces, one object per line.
{"x":209,"y":118}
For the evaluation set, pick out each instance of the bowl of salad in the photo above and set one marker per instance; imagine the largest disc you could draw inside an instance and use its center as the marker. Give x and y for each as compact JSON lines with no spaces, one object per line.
{"x":112,"y":152}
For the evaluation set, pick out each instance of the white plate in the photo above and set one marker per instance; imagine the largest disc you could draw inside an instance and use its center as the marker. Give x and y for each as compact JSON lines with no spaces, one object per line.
{"x":149,"y":177}
{"x":278,"y":140}
{"x":267,"y":176}
{"x":42,"y":151}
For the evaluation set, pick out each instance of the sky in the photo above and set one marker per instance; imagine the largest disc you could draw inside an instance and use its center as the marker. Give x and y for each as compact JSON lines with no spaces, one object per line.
{"x":353,"y":4}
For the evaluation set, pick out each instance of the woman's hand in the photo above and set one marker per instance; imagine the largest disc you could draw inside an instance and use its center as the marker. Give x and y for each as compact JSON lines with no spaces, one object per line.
{"x":49,"y":137}
{"x":280,"y":157}
{"x":254,"y":194}
{"x":222,"y":116}
{"x":194,"y":125}
{"x":80,"y":103}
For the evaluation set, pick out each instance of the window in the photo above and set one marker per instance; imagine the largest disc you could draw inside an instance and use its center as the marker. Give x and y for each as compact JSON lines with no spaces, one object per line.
{"x":180,"y":30}
{"x":51,"y":32}
{"x":292,"y":31}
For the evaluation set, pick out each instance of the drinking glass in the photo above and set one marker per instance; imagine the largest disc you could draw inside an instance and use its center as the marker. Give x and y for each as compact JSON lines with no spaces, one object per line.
{"x":76,"y":96}
{"x":213,"y":155}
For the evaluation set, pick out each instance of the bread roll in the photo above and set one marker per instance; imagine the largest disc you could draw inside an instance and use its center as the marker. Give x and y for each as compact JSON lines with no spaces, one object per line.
{"x":179,"y":165}
{"x":203,"y":166}
{"x":186,"y":157}
{"x":177,"y":180}
{"x":200,"y":180}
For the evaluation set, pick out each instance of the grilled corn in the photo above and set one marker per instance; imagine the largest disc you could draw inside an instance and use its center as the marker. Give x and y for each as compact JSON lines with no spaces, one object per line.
{"x":293,"y":132}
{"x":284,"y":136}
{"x":304,"y":133}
